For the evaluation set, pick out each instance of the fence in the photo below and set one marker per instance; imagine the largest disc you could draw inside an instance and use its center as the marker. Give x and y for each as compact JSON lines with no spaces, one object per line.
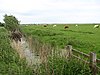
{"x":93,"y":61}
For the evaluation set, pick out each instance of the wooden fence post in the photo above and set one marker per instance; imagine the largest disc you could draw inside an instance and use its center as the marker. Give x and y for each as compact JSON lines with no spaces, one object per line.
{"x":93,"y":63}
{"x":69,"y":50}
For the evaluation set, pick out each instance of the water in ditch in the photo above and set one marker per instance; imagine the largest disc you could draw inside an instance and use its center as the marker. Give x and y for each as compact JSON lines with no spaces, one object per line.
{"x":24,"y":51}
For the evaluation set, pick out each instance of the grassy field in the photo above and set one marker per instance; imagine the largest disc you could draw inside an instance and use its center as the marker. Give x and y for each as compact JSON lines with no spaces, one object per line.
{"x":84,"y":38}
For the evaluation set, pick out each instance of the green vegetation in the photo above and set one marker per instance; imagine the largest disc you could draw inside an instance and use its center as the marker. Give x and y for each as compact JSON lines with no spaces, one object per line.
{"x":11,"y":22}
{"x":62,"y":66}
{"x":10,"y":63}
{"x":84,"y":37}
{"x":1,"y":24}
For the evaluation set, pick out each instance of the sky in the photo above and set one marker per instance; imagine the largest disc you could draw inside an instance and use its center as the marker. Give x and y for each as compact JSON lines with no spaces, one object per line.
{"x":51,"y":11}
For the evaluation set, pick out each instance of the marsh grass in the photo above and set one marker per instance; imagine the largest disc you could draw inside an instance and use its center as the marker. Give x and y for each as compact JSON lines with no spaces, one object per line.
{"x":62,"y":66}
{"x":55,"y":63}
{"x":10,"y":62}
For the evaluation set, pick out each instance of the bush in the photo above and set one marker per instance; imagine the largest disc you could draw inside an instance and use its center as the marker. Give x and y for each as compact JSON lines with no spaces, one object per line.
{"x":11,"y":22}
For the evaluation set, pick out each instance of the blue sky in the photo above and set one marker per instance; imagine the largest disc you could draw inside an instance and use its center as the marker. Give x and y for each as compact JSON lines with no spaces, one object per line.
{"x":52,"y":11}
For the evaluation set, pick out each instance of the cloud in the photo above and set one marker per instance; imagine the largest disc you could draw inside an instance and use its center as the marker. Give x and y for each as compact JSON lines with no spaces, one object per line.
{"x":52,"y":11}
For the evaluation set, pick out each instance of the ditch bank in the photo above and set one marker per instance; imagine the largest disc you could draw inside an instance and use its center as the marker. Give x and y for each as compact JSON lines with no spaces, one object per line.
{"x":25,"y":52}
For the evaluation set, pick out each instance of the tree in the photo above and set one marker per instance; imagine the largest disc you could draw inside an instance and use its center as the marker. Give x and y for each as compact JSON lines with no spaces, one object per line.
{"x":11,"y":22}
{"x":12,"y":25}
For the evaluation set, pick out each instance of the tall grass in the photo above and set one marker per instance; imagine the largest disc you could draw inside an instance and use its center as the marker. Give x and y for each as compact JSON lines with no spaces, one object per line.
{"x":10,"y":63}
{"x":61,"y":66}
{"x":53,"y":63}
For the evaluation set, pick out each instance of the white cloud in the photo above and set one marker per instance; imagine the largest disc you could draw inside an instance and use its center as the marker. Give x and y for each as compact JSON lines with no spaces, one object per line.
{"x":40,"y":11}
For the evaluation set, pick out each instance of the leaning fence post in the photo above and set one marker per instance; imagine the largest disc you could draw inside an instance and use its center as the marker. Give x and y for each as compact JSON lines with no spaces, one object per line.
{"x":69,"y":50}
{"x":93,"y":63}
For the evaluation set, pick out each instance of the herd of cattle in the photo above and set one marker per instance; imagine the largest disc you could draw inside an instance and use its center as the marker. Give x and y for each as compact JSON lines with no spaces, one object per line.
{"x":67,"y":26}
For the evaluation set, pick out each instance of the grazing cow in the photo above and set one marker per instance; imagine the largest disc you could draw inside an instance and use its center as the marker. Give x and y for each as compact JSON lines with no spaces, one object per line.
{"x":54,"y":25}
{"x":45,"y":25}
{"x":26,"y":25}
{"x":76,"y":25}
{"x":96,"y":26}
{"x":66,"y":27}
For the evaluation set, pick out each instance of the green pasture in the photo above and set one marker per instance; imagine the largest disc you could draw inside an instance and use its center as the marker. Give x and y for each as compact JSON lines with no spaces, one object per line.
{"x":78,"y":37}
{"x":84,"y":38}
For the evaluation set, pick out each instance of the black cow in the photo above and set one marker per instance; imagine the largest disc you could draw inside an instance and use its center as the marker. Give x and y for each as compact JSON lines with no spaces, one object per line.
{"x":66,"y":27}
